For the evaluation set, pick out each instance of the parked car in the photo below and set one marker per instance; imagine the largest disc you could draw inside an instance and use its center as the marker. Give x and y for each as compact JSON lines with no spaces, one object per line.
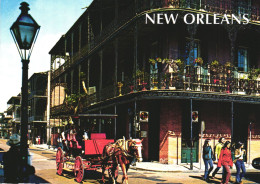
{"x":256,"y":163}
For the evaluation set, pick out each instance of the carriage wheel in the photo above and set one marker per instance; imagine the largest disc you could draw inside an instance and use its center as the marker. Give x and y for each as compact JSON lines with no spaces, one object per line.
{"x":59,"y":161}
{"x":79,"y":169}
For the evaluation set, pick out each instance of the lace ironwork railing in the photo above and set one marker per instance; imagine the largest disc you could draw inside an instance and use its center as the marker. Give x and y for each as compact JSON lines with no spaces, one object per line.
{"x":61,"y":68}
{"x":213,"y":6}
{"x":37,"y":118}
{"x":194,"y":79}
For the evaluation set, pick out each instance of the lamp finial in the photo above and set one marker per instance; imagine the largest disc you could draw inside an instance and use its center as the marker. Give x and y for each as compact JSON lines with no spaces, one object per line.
{"x":24,"y":7}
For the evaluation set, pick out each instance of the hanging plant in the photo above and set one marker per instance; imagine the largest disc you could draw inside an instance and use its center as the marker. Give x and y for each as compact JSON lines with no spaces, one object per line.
{"x":254,"y":73}
{"x":198,"y":61}
{"x":214,"y":63}
{"x":74,"y":102}
{"x":214,"y":66}
{"x":139,"y":73}
{"x":158,"y":60}
{"x":228,"y":65}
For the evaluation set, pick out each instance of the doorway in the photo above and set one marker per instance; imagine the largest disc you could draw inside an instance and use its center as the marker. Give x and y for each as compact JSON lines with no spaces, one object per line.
{"x":188,"y":146}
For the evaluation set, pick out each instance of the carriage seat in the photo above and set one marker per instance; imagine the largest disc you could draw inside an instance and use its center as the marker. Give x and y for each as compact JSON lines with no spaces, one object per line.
{"x":75,"y":142}
{"x":69,"y":140}
{"x":95,"y":136}
{"x":77,"y":145}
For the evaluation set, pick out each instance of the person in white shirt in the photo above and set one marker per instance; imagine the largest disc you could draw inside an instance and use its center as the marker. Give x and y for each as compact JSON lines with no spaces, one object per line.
{"x":85,"y":135}
{"x":239,"y":162}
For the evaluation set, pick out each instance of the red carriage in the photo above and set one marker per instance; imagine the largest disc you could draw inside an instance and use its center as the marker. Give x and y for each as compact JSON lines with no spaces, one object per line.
{"x":90,"y":159}
{"x":98,"y":153}
{"x":78,"y":157}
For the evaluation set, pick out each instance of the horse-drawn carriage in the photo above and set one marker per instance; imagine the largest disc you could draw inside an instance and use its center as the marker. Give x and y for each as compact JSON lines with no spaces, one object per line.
{"x":97,"y":153}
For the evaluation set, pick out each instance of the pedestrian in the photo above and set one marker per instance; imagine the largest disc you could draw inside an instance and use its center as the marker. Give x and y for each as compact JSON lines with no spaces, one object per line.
{"x":85,"y":136}
{"x":217,"y":151}
{"x":239,"y":162}
{"x":39,"y":140}
{"x":225,"y":160}
{"x":12,"y":160}
{"x":207,"y":157}
{"x":59,"y":140}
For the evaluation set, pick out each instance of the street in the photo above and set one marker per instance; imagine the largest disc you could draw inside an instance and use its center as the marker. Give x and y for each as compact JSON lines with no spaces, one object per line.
{"x":44,"y":163}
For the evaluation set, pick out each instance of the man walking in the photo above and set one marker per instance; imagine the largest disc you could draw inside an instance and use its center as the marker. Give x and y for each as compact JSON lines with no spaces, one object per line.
{"x":217,"y":150}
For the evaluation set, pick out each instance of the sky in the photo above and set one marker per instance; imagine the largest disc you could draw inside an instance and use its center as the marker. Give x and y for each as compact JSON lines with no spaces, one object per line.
{"x":55,"y":18}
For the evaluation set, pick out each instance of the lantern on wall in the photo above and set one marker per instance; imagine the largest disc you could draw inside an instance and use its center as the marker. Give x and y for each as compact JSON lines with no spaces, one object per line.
{"x":195,"y":116}
{"x":143,"y":116}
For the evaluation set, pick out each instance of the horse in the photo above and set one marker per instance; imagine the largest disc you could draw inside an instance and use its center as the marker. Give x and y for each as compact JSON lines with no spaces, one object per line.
{"x":122,"y":152}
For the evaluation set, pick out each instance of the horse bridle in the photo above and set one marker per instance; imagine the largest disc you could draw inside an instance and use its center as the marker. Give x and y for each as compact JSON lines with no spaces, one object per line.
{"x":137,"y":146}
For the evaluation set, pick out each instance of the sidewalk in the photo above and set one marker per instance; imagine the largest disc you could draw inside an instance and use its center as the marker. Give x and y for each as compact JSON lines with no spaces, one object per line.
{"x":45,"y":147}
{"x":183,"y":167}
{"x":158,"y":167}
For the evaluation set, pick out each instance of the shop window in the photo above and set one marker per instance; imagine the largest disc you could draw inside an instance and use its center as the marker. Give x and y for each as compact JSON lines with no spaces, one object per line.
{"x":242,"y":59}
{"x":192,"y":53}
{"x":242,"y":6}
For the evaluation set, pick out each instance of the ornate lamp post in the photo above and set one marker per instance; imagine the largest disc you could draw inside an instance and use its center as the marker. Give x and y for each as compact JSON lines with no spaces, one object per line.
{"x":24,"y":31}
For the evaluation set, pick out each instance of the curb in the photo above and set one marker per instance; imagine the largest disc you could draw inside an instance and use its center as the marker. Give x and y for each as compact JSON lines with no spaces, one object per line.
{"x":38,"y":147}
{"x":166,"y":171}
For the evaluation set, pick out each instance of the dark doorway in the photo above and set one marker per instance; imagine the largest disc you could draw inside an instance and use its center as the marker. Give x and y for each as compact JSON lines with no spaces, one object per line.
{"x":241,"y":124}
{"x":154,"y":129}
{"x":186,"y":135}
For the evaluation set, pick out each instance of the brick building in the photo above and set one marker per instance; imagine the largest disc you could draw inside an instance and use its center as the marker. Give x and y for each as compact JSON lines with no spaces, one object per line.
{"x":112,"y":61}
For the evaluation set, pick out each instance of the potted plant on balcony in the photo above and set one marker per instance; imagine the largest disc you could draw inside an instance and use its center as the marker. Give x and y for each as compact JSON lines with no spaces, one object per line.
{"x":156,"y":69}
{"x":197,"y":65}
{"x":174,"y":67}
{"x":198,"y":61}
{"x":254,"y":79}
{"x":228,"y":67}
{"x":214,"y":66}
{"x":141,"y":79}
{"x":254,"y":74}
{"x":75,"y":102}
{"x":158,"y":60}
{"x":71,"y":102}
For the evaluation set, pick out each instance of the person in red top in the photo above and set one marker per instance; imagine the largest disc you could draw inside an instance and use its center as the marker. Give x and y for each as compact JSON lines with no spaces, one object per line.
{"x":225,"y":160}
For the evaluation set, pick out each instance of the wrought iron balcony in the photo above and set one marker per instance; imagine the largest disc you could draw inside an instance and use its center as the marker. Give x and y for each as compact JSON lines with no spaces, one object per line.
{"x":38,"y":118}
{"x":212,"y":6}
{"x":201,"y":80}
{"x":224,"y":81}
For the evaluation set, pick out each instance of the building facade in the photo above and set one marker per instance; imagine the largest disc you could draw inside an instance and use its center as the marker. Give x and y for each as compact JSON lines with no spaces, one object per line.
{"x":38,"y":106}
{"x":6,"y":125}
{"x":171,"y":84}
{"x":14,"y":112}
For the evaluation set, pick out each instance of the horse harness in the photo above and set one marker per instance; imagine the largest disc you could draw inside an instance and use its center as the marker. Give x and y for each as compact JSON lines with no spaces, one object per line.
{"x":122,"y":145}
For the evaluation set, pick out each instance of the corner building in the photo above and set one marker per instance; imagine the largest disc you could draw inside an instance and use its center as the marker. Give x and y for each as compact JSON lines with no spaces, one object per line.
{"x":122,"y":62}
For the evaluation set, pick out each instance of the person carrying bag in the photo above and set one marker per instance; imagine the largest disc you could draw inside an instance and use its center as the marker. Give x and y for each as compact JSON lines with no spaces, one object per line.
{"x":207,"y":157}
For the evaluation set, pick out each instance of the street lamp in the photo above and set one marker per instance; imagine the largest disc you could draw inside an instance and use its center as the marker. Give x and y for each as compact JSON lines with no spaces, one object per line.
{"x":24,"y":31}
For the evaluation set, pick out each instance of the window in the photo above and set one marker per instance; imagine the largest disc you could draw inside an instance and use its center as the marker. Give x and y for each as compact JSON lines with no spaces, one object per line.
{"x":192,"y":54}
{"x":242,"y":59}
{"x":154,"y":55}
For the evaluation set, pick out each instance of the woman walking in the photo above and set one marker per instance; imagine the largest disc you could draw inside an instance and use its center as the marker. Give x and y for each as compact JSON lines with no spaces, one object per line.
{"x":207,"y":157}
{"x":239,"y":162}
{"x":225,"y":160}
{"x":217,"y":151}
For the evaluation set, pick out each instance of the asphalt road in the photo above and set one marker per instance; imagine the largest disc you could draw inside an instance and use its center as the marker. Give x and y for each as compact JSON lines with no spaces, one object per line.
{"x":44,"y":163}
